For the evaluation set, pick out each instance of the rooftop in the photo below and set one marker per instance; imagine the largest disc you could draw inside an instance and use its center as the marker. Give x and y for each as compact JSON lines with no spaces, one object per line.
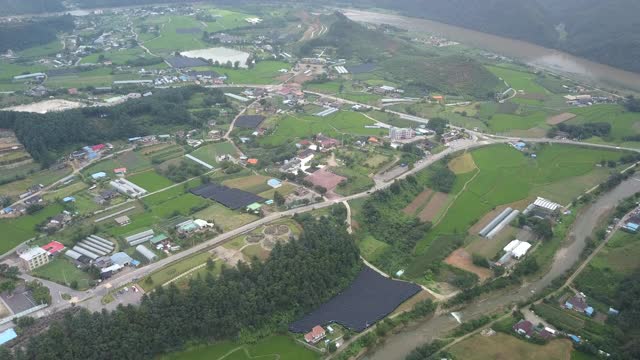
{"x":32,"y":253}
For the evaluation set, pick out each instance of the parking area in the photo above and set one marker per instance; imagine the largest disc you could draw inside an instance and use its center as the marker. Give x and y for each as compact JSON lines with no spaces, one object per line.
{"x":20,"y":300}
{"x":125,"y":296}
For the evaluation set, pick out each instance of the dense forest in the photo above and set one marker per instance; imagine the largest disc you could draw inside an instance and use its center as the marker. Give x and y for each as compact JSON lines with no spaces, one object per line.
{"x":44,"y":135}
{"x":245,"y":302}
{"x":25,"y":34}
{"x":18,"y":7}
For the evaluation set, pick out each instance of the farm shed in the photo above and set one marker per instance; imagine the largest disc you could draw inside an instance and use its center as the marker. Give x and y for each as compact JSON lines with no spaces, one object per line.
{"x":121,"y":259}
{"x":148,"y":254}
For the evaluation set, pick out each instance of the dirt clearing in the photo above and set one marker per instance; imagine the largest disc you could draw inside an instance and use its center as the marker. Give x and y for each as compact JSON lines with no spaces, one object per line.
{"x":560,"y":118}
{"x":462,"y":164}
{"x":46,"y":106}
{"x":438,"y":200}
{"x":418,"y":202}
{"x":463,"y":260}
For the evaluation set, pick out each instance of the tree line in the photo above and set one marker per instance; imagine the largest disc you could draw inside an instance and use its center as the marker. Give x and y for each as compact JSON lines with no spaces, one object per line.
{"x":252,"y":300}
{"x":44,"y":136}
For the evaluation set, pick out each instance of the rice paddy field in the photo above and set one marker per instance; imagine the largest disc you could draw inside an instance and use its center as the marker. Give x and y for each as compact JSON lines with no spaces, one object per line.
{"x":559,"y":173}
{"x":210,"y":152}
{"x":150,"y":180}
{"x":519,"y":80}
{"x":623,"y":123}
{"x":263,"y":73}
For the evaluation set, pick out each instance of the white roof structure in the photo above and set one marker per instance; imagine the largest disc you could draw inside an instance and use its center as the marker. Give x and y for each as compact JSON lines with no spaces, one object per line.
{"x":546,"y":204}
{"x":32,"y":253}
{"x":73,"y":254}
{"x":512,"y":245}
{"x":148,"y":254}
{"x":521,"y":249}
{"x":113,"y":268}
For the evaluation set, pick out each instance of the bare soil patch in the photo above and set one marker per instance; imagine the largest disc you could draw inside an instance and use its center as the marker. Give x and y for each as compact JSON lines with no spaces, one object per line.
{"x":418,"y":202}
{"x":46,"y":106}
{"x":463,"y":260}
{"x":532,"y":96}
{"x":231,"y":257}
{"x":462,"y":164}
{"x":560,"y":118}
{"x":438,"y":200}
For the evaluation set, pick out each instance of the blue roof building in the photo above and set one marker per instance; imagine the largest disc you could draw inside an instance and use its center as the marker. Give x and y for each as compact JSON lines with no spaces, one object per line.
{"x":7,"y":336}
{"x":99,"y":175}
{"x":7,"y":210}
{"x":632,"y":227}
{"x":274,"y":183}
{"x":520,"y":145}
{"x":589,"y":311}
{"x":69,"y":199}
{"x":568,"y":305}
{"x":575,"y":339}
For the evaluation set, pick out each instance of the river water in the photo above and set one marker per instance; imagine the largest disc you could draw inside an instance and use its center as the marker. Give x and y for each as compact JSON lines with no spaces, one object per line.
{"x":398,"y":346}
{"x":553,"y":60}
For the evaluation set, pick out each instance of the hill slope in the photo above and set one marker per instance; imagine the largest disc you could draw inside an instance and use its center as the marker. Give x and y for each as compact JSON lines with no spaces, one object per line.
{"x":17,"y":7}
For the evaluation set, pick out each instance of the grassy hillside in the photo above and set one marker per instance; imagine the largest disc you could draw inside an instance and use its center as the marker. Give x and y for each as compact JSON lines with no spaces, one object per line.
{"x":17,"y":7}
{"x":450,"y":75}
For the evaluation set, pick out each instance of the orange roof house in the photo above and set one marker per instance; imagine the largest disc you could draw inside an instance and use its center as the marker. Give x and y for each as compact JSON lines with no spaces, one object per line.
{"x":438,"y":98}
{"x":252,"y":161}
{"x":373,"y":140}
{"x":316,"y":334}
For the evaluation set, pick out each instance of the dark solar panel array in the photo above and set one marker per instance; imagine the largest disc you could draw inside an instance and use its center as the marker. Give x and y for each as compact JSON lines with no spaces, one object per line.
{"x":232,"y":198}
{"x":249,"y":121}
{"x":369,"y":299}
{"x":184,"y":62}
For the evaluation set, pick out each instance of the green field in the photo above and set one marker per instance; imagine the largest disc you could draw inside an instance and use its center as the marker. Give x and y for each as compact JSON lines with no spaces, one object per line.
{"x":134,"y":161}
{"x":264,"y":72}
{"x":150,"y":181}
{"x":502,"y":123}
{"x":167,"y":273}
{"x":16,"y":231}
{"x":277,"y":347}
{"x":43,"y":50}
{"x":34,"y":176}
{"x":291,"y":128}
{"x":210,"y":152}
{"x":64,"y":272}
{"x":617,"y":260}
{"x":519,"y":80}
{"x":559,"y":170}
{"x":623,"y":123}
{"x":371,"y":248}
{"x":227,"y":219}
{"x":118,"y":57}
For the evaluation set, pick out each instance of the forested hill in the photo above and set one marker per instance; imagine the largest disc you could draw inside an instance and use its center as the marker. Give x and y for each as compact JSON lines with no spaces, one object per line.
{"x":18,"y":7}
{"x":259,"y":299}
{"x":25,"y":34}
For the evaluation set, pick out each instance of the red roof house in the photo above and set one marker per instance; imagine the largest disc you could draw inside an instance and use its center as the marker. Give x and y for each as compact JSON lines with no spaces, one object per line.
{"x":122,"y":170}
{"x":524,"y":327}
{"x":53,"y":247}
{"x":97,"y":147}
{"x":316,"y":334}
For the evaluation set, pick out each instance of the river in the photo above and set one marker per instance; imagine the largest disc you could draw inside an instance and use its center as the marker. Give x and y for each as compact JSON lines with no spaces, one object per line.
{"x":538,"y":56}
{"x":397,"y":346}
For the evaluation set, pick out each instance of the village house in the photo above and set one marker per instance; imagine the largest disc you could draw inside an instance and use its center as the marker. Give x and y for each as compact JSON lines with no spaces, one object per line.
{"x":316,"y":334}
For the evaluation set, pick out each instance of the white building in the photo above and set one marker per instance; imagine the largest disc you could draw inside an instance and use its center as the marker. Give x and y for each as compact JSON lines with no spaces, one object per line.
{"x":128,"y":188}
{"x":34,"y":258}
{"x":396,"y":134}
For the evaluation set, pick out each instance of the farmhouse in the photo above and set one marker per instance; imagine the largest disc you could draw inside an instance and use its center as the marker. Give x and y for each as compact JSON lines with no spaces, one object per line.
{"x":34,"y":258}
{"x":316,"y":334}
{"x":524,"y":327}
{"x":274,"y":183}
{"x":579,"y":303}
{"x":397,"y":134}
{"x":122,"y":220}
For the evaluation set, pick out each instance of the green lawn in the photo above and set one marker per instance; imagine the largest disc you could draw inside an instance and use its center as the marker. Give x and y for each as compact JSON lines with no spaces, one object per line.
{"x":150,"y":181}
{"x":16,"y":231}
{"x":371,"y":248}
{"x":43,"y":50}
{"x":64,"y":272}
{"x":210,"y":152}
{"x":162,"y":276}
{"x":264,"y":72}
{"x":519,"y":80}
{"x":134,"y":161}
{"x":291,"y":128}
{"x":513,"y":178}
{"x":227,"y":219}
{"x":278,"y":347}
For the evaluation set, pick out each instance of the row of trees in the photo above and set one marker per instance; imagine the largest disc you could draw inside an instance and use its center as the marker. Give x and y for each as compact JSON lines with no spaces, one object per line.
{"x":45,"y":134}
{"x":582,"y":131}
{"x":245,"y":302}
